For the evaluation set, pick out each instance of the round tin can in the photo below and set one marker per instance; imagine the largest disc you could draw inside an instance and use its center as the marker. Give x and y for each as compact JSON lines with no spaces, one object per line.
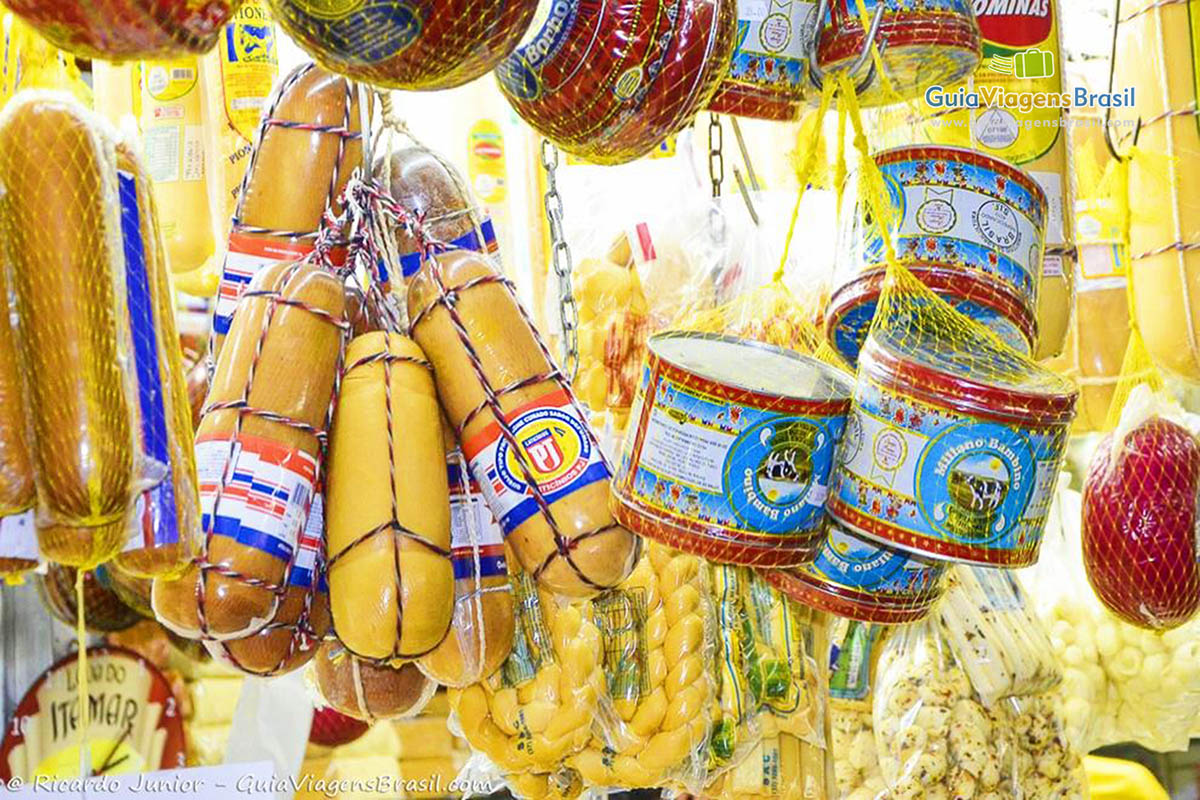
{"x":946,"y":465}
{"x":852,"y":308}
{"x":730,"y":449}
{"x":863,"y":580}
{"x":928,"y":43}
{"x":769,"y":66}
{"x":956,"y":208}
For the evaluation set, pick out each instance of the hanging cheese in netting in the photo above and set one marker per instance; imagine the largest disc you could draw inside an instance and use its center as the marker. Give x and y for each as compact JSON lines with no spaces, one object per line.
{"x":932,"y":42}
{"x":120,"y":30}
{"x":768,"y":71}
{"x":367,"y":691}
{"x":657,"y":671}
{"x":407,"y":44}
{"x":538,"y":709}
{"x":771,"y":415}
{"x":955,"y":439}
{"x":1023,"y":54}
{"x":612,"y":83}
{"x":988,"y":270}
{"x":1155,"y":60}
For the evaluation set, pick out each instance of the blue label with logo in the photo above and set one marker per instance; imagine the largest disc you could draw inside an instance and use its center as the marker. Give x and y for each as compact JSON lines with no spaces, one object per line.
{"x":360,"y":32}
{"x":521,"y":73}
{"x":855,"y":563}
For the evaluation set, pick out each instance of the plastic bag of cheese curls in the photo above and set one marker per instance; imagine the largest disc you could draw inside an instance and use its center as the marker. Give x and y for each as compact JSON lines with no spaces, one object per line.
{"x":854,"y":655}
{"x":734,"y":712}
{"x":1121,"y":683}
{"x":538,"y":708}
{"x":658,"y":678}
{"x":936,"y":738}
{"x":986,"y":615}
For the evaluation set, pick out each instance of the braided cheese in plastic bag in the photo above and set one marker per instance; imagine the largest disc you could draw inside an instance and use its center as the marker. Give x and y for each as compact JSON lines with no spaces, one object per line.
{"x":539,"y":707}
{"x":659,"y":681}
{"x":937,"y":739}
{"x":736,"y":704}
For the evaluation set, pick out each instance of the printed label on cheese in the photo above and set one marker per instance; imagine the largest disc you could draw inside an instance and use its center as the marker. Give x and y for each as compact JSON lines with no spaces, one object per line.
{"x":156,"y":520}
{"x":476,"y":541}
{"x":533,"y":646}
{"x":249,"y":66}
{"x":551,"y":442}
{"x":18,"y":536}
{"x":309,"y":547}
{"x":930,"y":476}
{"x":1100,"y":267}
{"x":771,"y":38}
{"x":850,"y":662}
{"x":167,"y":81}
{"x":256,"y":491}
{"x":1052,"y":267}
{"x":1052,"y":185}
{"x":481,"y":240}
{"x":161,"y":145}
{"x":621,"y":617}
{"x":246,"y":256}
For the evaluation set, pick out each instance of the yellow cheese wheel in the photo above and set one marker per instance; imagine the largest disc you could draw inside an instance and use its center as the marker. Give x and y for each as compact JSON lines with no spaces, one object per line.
{"x":391,"y":585}
{"x":1157,"y":56}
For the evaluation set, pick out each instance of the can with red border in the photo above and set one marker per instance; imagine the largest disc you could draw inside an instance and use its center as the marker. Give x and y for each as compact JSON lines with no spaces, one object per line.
{"x":852,"y":307}
{"x":768,"y":71}
{"x":928,"y":43}
{"x":954,"y":208}
{"x":730,"y":449}
{"x":945,"y":463}
{"x":859,"y":579}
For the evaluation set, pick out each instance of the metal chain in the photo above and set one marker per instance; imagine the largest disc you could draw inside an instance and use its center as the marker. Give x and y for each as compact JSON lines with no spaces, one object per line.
{"x":716,"y":158}
{"x":560,"y":253}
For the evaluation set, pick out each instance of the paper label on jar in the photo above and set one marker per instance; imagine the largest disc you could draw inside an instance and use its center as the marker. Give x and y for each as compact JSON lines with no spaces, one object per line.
{"x":722,"y":462}
{"x":156,"y":520}
{"x":771,"y":41}
{"x":246,"y":256}
{"x":932,"y":475}
{"x":859,"y":564}
{"x":257,"y":492}
{"x":476,"y":541}
{"x":553,"y":446}
{"x":18,"y":536}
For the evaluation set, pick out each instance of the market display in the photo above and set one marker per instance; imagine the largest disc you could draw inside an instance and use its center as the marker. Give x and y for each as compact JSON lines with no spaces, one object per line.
{"x":557,"y":435}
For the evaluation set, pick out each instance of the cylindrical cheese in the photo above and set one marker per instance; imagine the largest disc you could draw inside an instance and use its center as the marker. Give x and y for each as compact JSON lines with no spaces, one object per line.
{"x":165,"y":529}
{"x":265,"y":411}
{"x":309,"y":143}
{"x":291,"y":639}
{"x":369,"y":691}
{"x":1158,"y":58}
{"x":67,"y":278}
{"x":390,"y":579}
{"x":484,"y":344}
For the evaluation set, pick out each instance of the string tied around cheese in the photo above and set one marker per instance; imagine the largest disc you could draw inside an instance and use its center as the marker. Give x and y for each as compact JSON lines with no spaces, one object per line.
{"x":393,"y":526}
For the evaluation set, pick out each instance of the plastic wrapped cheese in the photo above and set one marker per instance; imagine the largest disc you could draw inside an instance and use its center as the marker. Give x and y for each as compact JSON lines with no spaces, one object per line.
{"x":854,"y":655}
{"x":936,"y":738}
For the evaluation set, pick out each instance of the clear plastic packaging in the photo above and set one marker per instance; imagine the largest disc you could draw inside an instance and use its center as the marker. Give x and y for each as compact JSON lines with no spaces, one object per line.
{"x":854,"y":656}
{"x":937,"y":738}
{"x":1140,"y":514}
{"x":424,"y":45}
{"x":119,"y":30}
{"x":481,"y":632}
{"x":609,"y":85}
{"x":538,"y":709}
{"x":72,"y":317}
{"x":391,"y":581}
{"x":987,"y":619}
{"x":657,"y":654}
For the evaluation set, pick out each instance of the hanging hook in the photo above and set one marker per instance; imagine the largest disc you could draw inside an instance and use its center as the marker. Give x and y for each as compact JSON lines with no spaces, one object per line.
{"x":817,"y":76}
{"x":1112,"y":68}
